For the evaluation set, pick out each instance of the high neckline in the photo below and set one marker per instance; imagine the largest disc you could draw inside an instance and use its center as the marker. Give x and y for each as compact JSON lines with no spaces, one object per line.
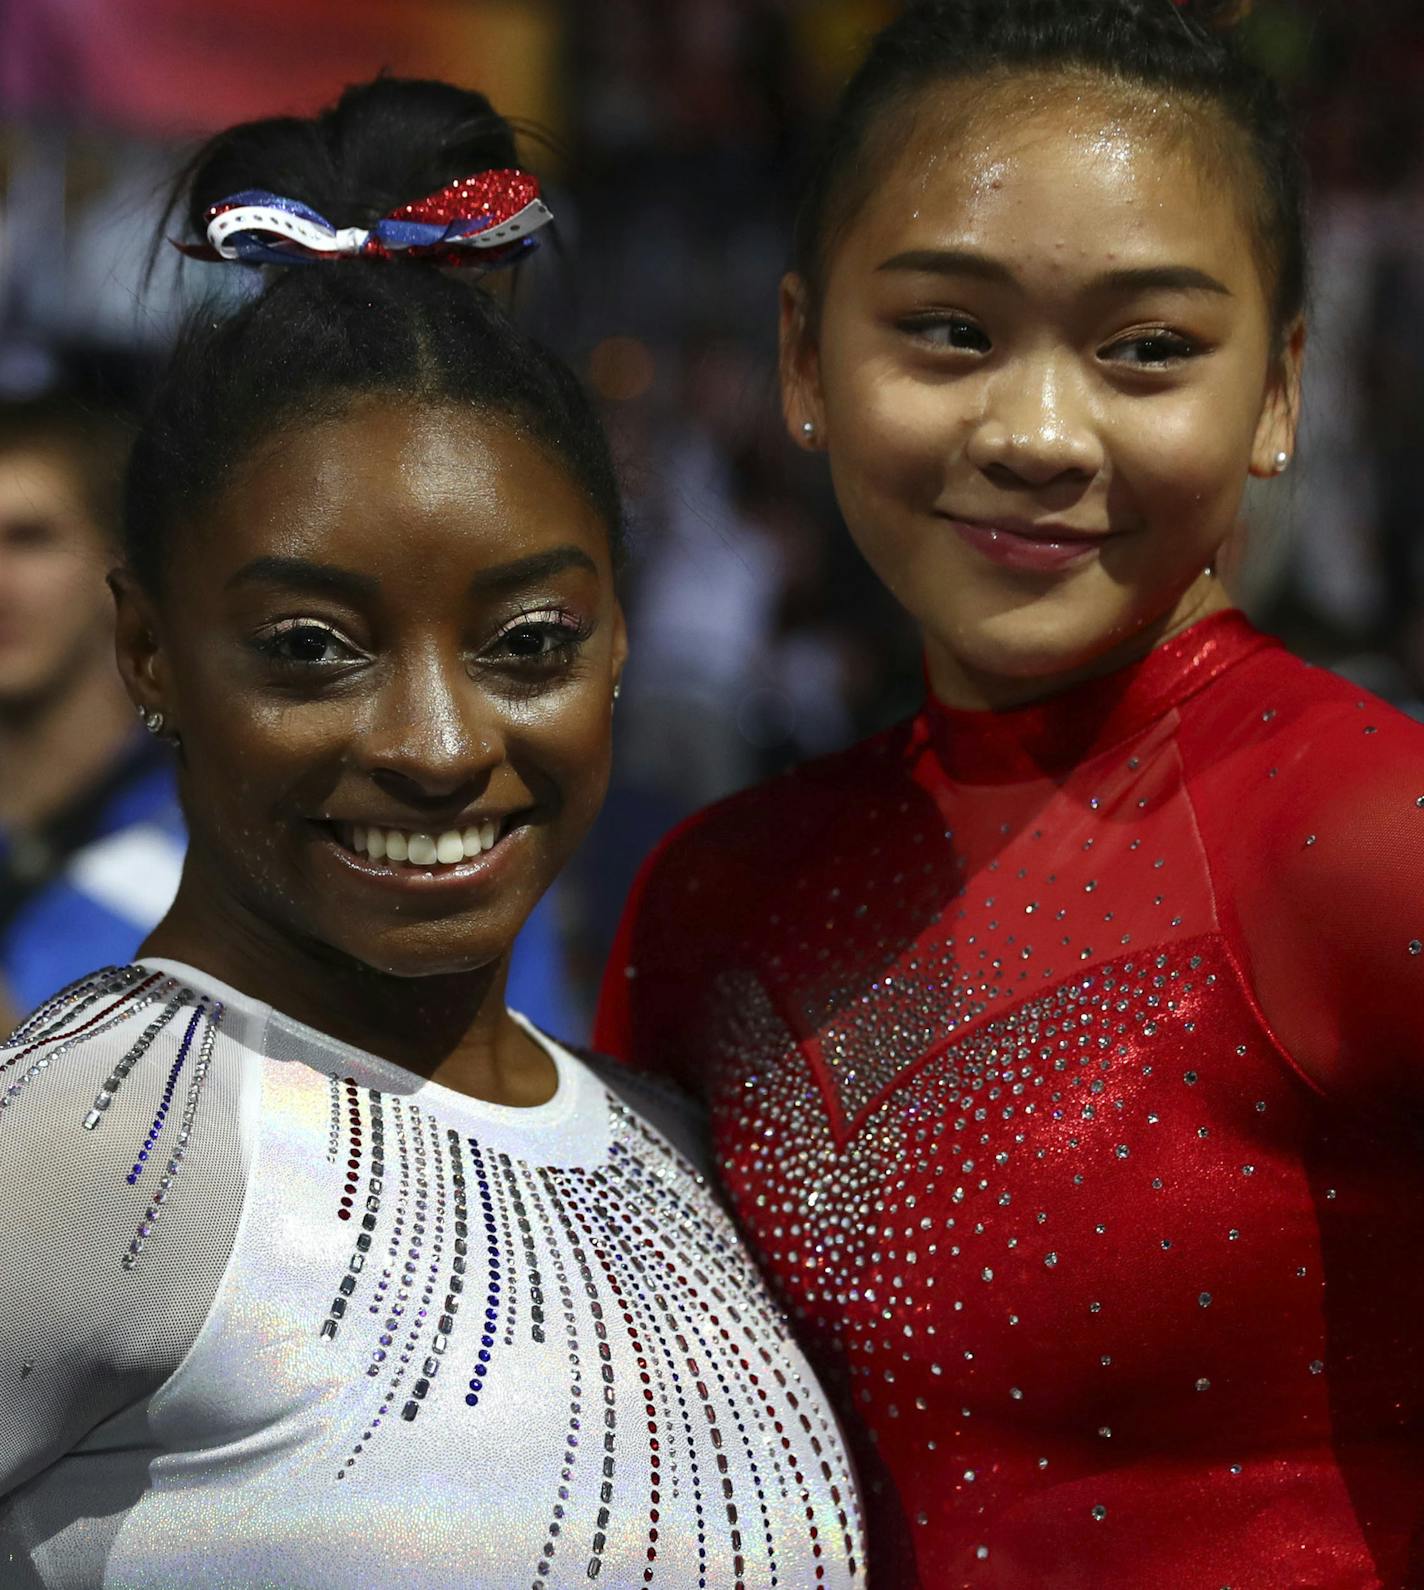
{"x":1051,"y":735}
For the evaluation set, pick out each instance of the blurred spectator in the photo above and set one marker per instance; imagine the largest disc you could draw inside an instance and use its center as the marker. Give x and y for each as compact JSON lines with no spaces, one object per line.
{"x":91,"y":843}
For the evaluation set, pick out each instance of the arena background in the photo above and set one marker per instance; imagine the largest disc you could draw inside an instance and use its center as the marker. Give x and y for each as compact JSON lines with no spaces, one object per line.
{"x":677,"y":134}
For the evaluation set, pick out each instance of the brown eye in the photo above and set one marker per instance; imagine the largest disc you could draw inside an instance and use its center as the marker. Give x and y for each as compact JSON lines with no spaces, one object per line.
{"x":303,"y":643}
{"x":531,"y":641}
{"x":1152,"y":349}
{"x":540,"y":642}
{"x":948,"y":331}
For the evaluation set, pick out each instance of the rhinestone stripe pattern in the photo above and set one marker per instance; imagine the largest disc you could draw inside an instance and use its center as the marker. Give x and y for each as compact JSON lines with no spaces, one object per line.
{"x":625,"y":1268}
{"x":435,"y":1339}
{"x":211,"y":1014}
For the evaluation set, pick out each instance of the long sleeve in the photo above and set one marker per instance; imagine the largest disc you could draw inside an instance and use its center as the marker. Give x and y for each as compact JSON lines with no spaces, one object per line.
{"x":1317,"y":848}
{"x":110,"y":1248}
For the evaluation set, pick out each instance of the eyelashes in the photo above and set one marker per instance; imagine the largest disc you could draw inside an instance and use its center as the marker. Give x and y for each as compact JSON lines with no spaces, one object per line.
{"x":542,"y":638}
{"x":534,"y":644}
{"x":1150,"y":348}
{"x":306,"y":643}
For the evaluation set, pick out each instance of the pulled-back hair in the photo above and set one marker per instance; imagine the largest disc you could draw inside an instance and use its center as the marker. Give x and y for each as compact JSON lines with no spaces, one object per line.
{"x":320,"y":336}
{"x":1158,"y":45}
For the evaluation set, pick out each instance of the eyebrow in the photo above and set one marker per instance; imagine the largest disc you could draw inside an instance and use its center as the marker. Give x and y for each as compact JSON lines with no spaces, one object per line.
{"x":1135,"y":278}
{"x":525,"y":571}
{"x":305,"y":575}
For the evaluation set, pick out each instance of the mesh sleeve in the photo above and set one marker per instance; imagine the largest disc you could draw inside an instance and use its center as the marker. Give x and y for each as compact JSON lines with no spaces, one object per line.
{"x":1324,"y":875}
{"x":122,"y":1170}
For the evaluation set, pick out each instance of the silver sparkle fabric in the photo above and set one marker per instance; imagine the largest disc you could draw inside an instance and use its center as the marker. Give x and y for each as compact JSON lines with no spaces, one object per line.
{"x":274,"y":1312}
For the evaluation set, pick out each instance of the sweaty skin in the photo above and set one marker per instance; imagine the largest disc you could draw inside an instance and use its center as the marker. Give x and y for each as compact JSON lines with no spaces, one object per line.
{"x":401,"y":616}
{"x":1045,"y":317}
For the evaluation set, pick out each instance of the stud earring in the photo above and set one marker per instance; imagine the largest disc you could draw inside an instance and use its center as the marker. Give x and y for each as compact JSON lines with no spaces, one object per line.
{"x":618,"y":690}
{"x":808,"y":430}
{"x":153,"y":721}
{"x":1282,"y":462}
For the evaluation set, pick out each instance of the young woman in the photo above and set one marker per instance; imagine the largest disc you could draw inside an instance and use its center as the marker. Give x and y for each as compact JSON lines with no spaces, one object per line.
{"x":1063,"y":1044}
{"x":318,"y":1267}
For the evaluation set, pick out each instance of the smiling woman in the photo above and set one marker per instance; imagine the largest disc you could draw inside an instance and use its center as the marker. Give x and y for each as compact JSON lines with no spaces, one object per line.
{"x":1062,"y":1044}
{"x":321,"y":1267}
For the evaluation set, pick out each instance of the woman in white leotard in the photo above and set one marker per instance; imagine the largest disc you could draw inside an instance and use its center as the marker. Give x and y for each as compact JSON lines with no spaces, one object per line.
{"x":318,"y":1266}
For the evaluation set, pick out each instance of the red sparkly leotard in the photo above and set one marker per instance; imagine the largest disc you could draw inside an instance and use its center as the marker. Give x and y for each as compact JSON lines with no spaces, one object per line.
{"x":1065,"y":1071}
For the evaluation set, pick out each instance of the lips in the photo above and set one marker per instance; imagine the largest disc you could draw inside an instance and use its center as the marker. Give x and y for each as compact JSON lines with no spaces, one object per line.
{"x":423,"y":858}
{"x":1040,"y":548}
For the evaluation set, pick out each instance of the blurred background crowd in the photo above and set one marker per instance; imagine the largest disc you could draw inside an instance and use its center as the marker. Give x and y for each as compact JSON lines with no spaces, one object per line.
{"x":677,"y":134}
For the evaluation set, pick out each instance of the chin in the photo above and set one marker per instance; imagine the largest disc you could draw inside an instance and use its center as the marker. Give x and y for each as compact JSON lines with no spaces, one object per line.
{"x":415,"y":955}
{"x":1025,"y":645}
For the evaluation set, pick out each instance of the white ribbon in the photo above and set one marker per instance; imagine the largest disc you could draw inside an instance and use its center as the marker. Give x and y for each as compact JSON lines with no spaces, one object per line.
{"x":351,"y":240}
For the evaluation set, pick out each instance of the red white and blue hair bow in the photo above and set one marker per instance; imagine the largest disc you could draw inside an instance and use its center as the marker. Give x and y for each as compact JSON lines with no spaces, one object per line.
{"x":485,"y":220}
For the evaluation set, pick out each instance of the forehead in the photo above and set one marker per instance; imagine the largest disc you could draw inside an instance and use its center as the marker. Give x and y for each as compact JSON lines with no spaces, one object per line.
{"x":37,"y":482}
{"x":387,"y":484}
{"x":1057,"y":172}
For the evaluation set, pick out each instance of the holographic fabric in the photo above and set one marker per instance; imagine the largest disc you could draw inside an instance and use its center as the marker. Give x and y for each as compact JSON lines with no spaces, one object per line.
{"x":1064,"y":1072}
{"x":274,"y":1312}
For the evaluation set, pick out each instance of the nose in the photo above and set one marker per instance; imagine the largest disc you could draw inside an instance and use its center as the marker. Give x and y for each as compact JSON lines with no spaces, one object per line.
{"x":433,"y":733}
{"x":1036,"y":428}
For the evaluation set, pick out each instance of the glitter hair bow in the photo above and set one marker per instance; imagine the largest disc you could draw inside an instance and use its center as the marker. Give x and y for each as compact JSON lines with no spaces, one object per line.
{"x":485,"y":220}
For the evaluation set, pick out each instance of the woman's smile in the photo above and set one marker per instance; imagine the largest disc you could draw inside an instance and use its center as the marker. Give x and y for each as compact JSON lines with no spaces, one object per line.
{"x":424,"y":862}
{"x":395,"y":684}
{"x":1045,"y":548}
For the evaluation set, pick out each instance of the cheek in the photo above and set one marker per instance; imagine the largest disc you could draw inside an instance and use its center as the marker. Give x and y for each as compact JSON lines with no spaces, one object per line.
{"x":568,"y":750}
{"x":1193,"y":454}
{"x":893,"y":443}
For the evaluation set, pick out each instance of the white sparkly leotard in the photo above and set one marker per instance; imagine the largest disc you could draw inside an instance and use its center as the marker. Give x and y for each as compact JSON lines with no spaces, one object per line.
{"x":274,"y":1312}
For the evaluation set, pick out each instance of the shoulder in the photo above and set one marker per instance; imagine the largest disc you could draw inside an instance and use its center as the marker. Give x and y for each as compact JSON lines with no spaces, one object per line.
{"x":120,"y":1191}
{"x":715,"y":878}
{"x":1309,"y":793}
{"x":105,"y":1075}
{"x":660,"y":1103}
{"x":1299,"y":753}
{"x":744,"y":844}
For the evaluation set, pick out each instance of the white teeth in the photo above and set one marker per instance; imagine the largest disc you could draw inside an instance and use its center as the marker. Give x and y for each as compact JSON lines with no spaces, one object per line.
{"x":421,"y":850}
{"x":445,"y":849}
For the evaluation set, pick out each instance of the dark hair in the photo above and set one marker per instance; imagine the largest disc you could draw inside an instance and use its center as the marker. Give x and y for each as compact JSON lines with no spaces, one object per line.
{"x":327,"y":333}
{"x":1156,"y":44}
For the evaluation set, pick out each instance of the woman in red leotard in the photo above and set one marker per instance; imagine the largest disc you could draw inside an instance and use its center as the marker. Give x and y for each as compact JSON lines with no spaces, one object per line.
{"x":1063,"y":1044}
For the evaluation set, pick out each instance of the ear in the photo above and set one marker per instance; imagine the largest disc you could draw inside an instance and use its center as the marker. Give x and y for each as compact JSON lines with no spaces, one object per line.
{"x":1280,"y":414}
{"x":143,"y":665}
{"x":800,"y":366}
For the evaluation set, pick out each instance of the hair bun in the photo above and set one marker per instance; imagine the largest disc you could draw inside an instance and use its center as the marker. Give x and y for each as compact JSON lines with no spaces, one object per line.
{"x":1220,"y":16}
{"x":382,"y":144}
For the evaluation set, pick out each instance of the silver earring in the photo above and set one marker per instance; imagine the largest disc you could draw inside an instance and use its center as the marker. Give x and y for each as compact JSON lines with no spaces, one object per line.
{"x":808,"y":430}
{"x":618,"y":690}
{"x":1282,"y":462}
{"x":153,"y":720}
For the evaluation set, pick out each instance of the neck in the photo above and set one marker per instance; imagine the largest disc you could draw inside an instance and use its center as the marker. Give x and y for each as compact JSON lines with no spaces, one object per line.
{"x":452,"y":1028}
{"x":960,"y":684}
{"x":55,"y":744}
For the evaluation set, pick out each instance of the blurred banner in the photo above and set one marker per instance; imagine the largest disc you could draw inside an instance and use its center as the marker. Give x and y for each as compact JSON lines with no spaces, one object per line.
{"x":164,"y":67}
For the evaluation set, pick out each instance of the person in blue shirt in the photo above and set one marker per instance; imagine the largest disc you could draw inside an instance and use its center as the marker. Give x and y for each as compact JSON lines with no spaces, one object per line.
{"x":91,"y":841}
